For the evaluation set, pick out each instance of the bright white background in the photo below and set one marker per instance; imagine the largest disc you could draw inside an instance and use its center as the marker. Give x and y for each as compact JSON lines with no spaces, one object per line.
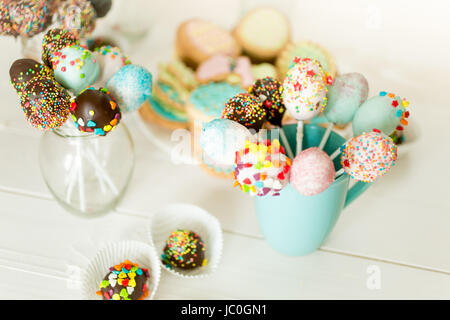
{"x":400,"y":225}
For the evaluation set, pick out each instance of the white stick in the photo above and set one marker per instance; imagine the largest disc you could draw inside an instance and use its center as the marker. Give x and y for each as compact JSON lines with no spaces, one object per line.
{"x":299,"y":136}
{"x":326,"y":135}
{"x":97,"y":172}
{"x":286,"y":143}
{"x":102,"y":172}
{"x":72,"y":179}
{"x":339,"y":172}
{"x":81,"y":179}
{"x":335,"y":153}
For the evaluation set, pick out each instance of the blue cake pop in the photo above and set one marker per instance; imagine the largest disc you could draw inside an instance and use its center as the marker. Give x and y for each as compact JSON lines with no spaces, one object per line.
{"x":131,"y":86}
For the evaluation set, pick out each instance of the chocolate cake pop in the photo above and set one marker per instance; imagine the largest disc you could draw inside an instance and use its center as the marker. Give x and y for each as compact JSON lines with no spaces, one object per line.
{"x":45,"y":103}
{"x":368,"y":156}
{"x":262,"y":169}
{"x":23,"y":70}
{"x":101,"y":7}
{"x":55,"y":40}
{"x":312,"y":172}
{"x":184,"y":249}
{"x":269,"y":91}
{"x":245,"y":109}
{"x":24,"y":18}
{"x":95,"y":111}
{"x":125,"y":281}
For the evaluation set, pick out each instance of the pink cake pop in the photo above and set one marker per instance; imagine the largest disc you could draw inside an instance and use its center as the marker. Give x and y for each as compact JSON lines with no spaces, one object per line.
{"x":312,"y":172}
{"x":262,"y":168}
{"x":368,"y":156}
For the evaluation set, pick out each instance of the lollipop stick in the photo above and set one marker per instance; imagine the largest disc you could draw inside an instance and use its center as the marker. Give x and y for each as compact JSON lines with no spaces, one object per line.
{"x":326,"y":135}
{"x":335,"y":153}
{"x":286,"y":143}
{"x":102,"y":172}
{"x":81,"y":180}
{"x":299,"y":136}
{"x":339,"y":172}
{"x":72,"y":179}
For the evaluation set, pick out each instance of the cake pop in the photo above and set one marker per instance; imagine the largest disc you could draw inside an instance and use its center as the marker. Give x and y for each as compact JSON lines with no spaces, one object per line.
{"x":125,"y":281}
{"x":75,"y":68}
{"x":45,"y":103}
{"x":262,"y":168}
{"x":95,"y":111}
{"x":368,"y":156}
{"x":101,"y":7}
{"x":385,"y":112}
{"x":184,"y":249}
{"x":76,"y":15}
{"x":246,"y":110}
{"x":346,"y":94}
{"x":23,"y":70}
{"x":24,"y":18}
{"x":131,"y":85}
{"x":221,"y":138}
{"x":269,"y":91}
{"x":312,"y":172}
{"x":55,"y":40}
{"x":304,"y":92}
{"x":110,"y":60}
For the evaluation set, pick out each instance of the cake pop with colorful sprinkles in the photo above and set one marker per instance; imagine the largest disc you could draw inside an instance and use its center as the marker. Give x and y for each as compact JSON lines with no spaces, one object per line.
{"x":368,"y":156}
{"x":131,"y":85}
{"x":45,"y":103}
{"x":125,"y":281}
{"x":312,"y":172}
{"x":24,"y":18}
{"x":76,"y":15}
{"x":305,"y":89}
{"x":55,"y":40}
{"x":110,"y":60}
{"x":95,"y":111}
{"x":221,"y":138}
{"x":23,"y":70}
{"x":75,"y":68}
{"x":184,"y":249}
{"x":346,"y":94}
{"x":262,"y":169}
{"x":245,"y":109}
{"x":269,"y":91}
{"x":385,"y":112}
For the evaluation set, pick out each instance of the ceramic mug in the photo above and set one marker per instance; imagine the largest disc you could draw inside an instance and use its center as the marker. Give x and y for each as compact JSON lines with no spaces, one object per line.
{"x":294,"y":224}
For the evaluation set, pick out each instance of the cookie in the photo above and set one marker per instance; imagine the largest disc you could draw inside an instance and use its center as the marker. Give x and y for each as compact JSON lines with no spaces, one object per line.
{"x":264,"y":70}
{"x":183,"y":73}
{"x":198,"y":40}
{"x":263,"y":33}
{"x":305,"y":49}
{"x":157,"y":113}
{"x":167,"y":95}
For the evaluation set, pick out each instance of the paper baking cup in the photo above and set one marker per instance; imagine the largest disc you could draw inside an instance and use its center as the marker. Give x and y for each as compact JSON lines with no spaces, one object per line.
{"x":188,"y":217}
{"x":116,"y":253}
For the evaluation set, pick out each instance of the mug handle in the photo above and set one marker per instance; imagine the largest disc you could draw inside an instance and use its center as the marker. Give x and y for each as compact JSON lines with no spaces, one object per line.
{"x":355,"y":191}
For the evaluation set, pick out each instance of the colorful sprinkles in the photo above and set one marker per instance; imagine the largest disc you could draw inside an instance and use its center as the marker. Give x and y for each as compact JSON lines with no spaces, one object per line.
{"x":125,"y":281}
{"x":245,"y":109}
{"x":262,"y":168}
{"x":76,"y":15}
{"x":184,"y":249}
{"x":305,"y":88}
{"x":270,"y":90}
{"x":55,"y":40}
{"x":401,"y":111}
{"x":368,"y":156}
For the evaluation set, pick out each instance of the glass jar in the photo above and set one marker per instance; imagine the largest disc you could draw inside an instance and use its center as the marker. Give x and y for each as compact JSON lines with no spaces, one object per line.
{"x":86,"y":173}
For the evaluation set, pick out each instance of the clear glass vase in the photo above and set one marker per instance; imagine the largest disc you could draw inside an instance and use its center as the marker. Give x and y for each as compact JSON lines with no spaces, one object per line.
{"x":87,"y":174}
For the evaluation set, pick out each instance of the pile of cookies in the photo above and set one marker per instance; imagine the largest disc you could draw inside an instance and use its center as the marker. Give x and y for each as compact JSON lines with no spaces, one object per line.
{"x":211,"y":64}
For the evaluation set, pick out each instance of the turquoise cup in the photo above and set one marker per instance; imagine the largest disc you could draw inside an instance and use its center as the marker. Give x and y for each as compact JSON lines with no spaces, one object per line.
{"x":294,"y":224}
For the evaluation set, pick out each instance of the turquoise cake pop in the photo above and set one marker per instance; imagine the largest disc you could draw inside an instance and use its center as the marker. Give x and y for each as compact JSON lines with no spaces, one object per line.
{"x":131,"y":86}
{"x":385,"y":112}
{"x":75,"y":68}
{"x":346,"y":94}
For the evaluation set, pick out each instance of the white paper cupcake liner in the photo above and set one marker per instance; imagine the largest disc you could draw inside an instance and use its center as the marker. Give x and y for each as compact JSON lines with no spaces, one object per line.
{"x":115,"y":253}
{"x":188,"y":217}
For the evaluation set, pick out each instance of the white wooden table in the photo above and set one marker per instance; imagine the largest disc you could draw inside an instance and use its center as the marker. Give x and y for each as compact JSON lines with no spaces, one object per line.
{"x":399,"y":229}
